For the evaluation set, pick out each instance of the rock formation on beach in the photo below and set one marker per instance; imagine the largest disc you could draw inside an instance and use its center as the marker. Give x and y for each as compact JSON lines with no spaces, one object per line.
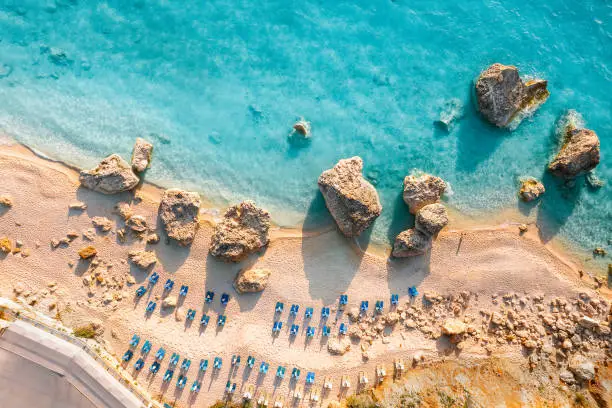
{"x":411,"y":243}
{"x":251,"y":280}
{"x":178,"y":211}
{"x":141,"y":155}
{"x":102,"y":223}
{"x":531,"y":189}
{"x":503,"y":97}
{"x":421,"y":190}
{"x":88,"y":252}
{"x":141,"y":258}
{"x":242,"y":231}
{"x":352,"y":201}
{"x":431,"y":219}
{"x":113,"y":175}
{"x":6,"y":201}
{"x":579,"y":152}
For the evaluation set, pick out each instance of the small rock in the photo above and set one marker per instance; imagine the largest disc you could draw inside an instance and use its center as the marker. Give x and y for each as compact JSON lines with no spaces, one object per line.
{"x":5,"y":245}
{"x":87,"y":252}
{"x":338,"y":346}
{"x":77,"y":206}
{"x":152,"y":238}
{"x":6,"y":201}
{"x":141,"y":155}
{"x":137,"y":223}
{"x":142,"y":259}
{"x":599,"y":251}
{"x":130,"y":280}
{"x":251,"y":280}
{"x":89,"y":234}
{"x":588,"y":322}
{"x":102,"y":223}
{"x":124,"y":210}
{"x":531,"y":189}
{"x":169,"y":302}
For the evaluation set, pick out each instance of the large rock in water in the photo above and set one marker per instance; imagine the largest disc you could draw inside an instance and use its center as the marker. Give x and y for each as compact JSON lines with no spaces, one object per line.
{"x":243,"y":230}
{"x":351,"y":199}
{"x":178,"y":211}
{"x":113,"y":175}
{"x":251,"y":280}
{"x":503,"y":97}
{"x":431,"y":219}
{"x":411,"y":243}
{"x":141,"y":155}
{"x":531,"y":189}
{"x":421,"y":190}
{"x":579,"y":153}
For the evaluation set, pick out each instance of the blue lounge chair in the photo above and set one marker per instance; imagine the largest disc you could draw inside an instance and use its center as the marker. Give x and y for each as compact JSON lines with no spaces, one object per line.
{"x":294,"y":310}
{"x":412,"y":291}
{"x":204,"y":320}
{"x":294,"y":329}
{"x":394,"y":299}
{"x":295,"y":373}
{"x":278,"y":325}
{"x":343,"y":300}
{"x":221,"y":320}
{"x":191,"y":314}
{"x":160,"y":354}
{"x":154,"y":367}
{"x":154,"y":278}
{"x":184,"y":290}
{"x":280,"y":372}
{"x":343,"y":329}
{"x":230,"y":388}
{"x":379,"y":306}
{"x":310,"y":377}
{"x":310,"y":331}
{"x":235,"y":361}
{"x":174,"y":359}
{"x":127,"y":356}
{"x":326,"y":331}
{"x":168,"y":375}
{"x":210,"y":295}
{"x":263,"y":368}
{"x":203,"y":365}
{"x":325,"y":313}
{"x":151,"y":306}
{"x":139,"y":364}
{"x":146,"y":347}
{"x":196,"y":386}
{"x":364,"y":306}
{"x":135,"y":340}
{"x":185,"y":364}
{"x":225,"y":299}
{"x":217,"y":363}
{"x":308,"y":313}
{"x":168,"y":285}
{"x":182,"y":380}
{"x":141,"y":291}
{"x":250,"y":361}
{"x":279,"y":307}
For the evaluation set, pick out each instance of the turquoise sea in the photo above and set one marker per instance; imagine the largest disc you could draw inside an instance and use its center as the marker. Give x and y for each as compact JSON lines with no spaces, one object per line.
{"x":217,"y":85}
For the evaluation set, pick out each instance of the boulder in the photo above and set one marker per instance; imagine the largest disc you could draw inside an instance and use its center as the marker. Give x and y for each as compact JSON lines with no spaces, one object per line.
{"x":141,"y":155}
{"x":124,"y":210}
{"x":6,"y":201}
{"x":352,"y":201}
{"x":583,"y":369}
{"x":431,"y":219}
{"x":102,"y":223}
{"x":5,"y":245}
{"x":531,"y":189}
{"x":411,"y":243}
{"x":503,"y":97}
{"x":141,"y":258}
{"x":242,"y":231}
{"x":579,"y":152}
{"x":113,"y":175}
{"x":453,"y":327}
{"x":338,"y":346}
{"x":169,"y":302}
{"x":88,"y":252}
{"x":302,"y":127}
{"x":421,"y":190}
{"x":251,"y":280}
{"x":178,"y":212}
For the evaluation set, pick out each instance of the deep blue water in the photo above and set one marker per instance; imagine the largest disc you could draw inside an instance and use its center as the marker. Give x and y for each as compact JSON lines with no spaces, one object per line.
{"x":217,"y":85}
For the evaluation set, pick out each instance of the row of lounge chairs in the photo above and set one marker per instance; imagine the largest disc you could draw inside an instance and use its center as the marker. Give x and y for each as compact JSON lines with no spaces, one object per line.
{"x":154,"y":278}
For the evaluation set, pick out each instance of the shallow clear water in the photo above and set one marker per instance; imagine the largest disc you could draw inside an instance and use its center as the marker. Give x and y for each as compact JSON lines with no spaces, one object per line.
{"x":217,"y":86}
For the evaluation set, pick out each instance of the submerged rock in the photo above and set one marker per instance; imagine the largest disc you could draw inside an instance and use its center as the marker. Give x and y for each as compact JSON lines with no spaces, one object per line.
{"x":251,"y":280}
{"x":141,"y":155}
{"x":178,"y":211}
{"x":77,"y":206}
{"x":411,"y":243}
{"x":113,"y":175}
{"x":451,"y":112}
{"x":142,"y":259}
{"x":243,"y":230}
{"x":431,"y":219}
{"x":422,"y":189}
{"x":531,"y":189}
{"x":503,"y":97}
{"x":352,"y":201}
{"x":302,"y":128}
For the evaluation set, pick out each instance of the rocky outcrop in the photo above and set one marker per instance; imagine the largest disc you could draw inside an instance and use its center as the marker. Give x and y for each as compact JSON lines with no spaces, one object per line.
{"x":113,"y":175}
{"x":251,"y":280}
{"x":141,"y":258}
{"x":242,"y":231}
{"x":178,"y":212}
{"x":531,"y":189}
{"x":579,"y":152}
{"x":141,"y":155}
{"x":583,"y":369}
{"x":421,"y":190}
{"x":503,"y":97}
{"x":431,"y":219}
{"x":411,"y":243}
{"x":352,"y":201}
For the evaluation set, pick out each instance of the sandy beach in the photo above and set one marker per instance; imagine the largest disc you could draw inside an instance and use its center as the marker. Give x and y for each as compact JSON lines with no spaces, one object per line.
{"x":483,"y":261}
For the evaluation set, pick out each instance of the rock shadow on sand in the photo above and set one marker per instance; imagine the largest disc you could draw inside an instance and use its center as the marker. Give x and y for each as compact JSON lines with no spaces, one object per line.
{"x":558,"y":204}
